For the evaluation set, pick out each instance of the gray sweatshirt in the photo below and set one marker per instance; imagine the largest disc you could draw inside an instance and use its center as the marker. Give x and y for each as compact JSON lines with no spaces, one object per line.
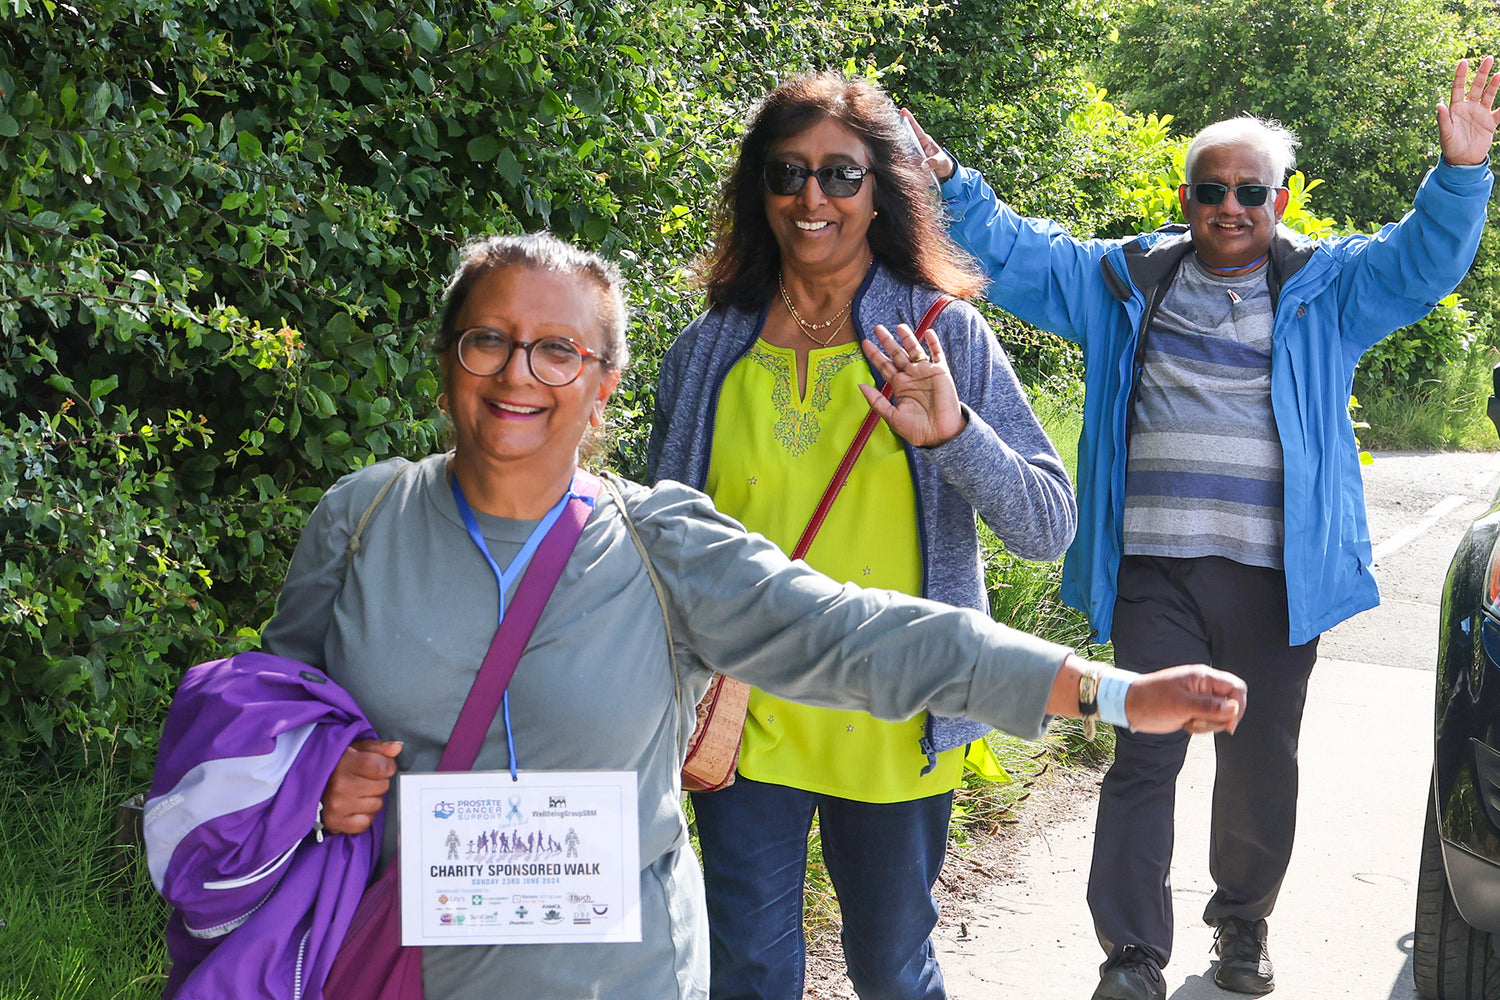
{"x":405,"y":623}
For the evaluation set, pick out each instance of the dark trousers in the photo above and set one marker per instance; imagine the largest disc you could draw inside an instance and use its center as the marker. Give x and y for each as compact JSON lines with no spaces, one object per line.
{"x":882,"y":858}
{"x":1233,"y":617}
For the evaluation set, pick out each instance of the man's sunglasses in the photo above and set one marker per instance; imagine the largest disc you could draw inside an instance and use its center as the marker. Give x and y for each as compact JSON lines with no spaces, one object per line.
{"x":842,"y":180}
{"x":1248,"y":195}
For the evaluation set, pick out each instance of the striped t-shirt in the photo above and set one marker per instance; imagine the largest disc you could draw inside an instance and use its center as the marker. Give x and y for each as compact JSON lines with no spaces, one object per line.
{"x":1204,"y":472}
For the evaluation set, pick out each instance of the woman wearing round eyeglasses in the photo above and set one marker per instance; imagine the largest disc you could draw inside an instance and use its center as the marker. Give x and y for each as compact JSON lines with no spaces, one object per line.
{"x":829,"y":238}
{"x":531,"y":343}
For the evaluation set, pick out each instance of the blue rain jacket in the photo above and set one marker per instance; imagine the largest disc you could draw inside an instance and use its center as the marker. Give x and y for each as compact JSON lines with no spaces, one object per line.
{"x":1334,"y":299}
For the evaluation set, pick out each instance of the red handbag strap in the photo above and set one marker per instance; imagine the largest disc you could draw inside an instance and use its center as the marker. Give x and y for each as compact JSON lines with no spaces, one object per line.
{"x":841,"y":474}
{"x":504,"y":654}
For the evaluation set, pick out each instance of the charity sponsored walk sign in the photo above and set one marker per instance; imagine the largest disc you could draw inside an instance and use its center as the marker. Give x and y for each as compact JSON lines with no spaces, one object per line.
{"x":551,"y":857}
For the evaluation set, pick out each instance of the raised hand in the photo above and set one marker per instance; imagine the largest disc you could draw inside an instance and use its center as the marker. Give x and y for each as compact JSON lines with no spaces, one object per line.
{"x":923,"y":408}
{"x":1466,"y":125}
{"x":356,"y":790}
{"x":937,"y":159}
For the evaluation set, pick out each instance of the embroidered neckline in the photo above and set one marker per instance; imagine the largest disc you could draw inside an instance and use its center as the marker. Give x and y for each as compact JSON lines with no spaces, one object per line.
{"x":798,"y":423}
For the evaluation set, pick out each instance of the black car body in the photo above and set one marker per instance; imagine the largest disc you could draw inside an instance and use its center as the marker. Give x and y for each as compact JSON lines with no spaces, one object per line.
{"x":1458,"y":889}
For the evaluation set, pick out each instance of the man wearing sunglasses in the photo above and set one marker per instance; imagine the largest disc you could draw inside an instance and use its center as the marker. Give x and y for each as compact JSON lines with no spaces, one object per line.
{"x":1221,"y":513}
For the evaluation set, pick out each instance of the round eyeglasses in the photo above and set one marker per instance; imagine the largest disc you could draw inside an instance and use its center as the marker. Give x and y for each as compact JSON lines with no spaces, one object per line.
{"x":554,"y":361}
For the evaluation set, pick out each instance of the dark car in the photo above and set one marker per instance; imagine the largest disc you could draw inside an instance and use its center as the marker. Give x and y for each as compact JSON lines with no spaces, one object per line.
{"x":1458,"y":888}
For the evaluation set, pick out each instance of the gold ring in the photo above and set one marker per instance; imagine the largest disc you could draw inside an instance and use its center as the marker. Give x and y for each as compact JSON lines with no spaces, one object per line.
{"x":917,"y":357}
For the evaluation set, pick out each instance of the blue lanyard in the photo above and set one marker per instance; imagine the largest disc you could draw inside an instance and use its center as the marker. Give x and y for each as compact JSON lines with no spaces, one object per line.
{"x":504,"y":578}
{"x":1244,"y":269}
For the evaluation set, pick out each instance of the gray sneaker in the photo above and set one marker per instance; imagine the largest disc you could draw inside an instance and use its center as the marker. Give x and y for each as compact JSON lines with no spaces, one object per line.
{"x":1244,"y":962}
{"x":1131,"y":975}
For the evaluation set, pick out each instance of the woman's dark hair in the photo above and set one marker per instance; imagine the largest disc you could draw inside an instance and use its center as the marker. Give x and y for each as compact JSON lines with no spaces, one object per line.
{"x":540,"y":251}
{"x":907,"y":236}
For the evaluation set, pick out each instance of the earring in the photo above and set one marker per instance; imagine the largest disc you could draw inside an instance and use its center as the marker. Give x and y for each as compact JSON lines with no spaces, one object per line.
{"x":874,"y":213}
{"x":442,"y":402}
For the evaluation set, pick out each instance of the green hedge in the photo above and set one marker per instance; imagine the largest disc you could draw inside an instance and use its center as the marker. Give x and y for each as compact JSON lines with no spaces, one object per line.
{"x":226,"y":225}
{"x":225,"y":229}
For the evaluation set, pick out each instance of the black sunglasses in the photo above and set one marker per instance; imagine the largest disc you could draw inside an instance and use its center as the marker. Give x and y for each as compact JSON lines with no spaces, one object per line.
{"x":1248,"y":195}
{"x":842,"y":180}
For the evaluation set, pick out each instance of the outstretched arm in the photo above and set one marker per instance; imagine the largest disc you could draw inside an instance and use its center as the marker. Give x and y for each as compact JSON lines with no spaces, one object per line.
{"x":1193,"y":697}
{"x":1466,"y":125}
{"x":1039,"y":272}
{"x":1393,"y":278}
{"x":739,"y":606}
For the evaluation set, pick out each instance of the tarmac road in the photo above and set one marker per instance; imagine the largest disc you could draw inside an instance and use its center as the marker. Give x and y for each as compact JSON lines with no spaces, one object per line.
{"x":1342,"y":927}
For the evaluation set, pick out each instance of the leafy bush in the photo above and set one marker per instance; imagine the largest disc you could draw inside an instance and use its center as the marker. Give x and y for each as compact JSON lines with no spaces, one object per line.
{"x":1418,"y":353}
{"x":226,"y":227}
{"x":191,"y":191}
{"x":1133,"y":167}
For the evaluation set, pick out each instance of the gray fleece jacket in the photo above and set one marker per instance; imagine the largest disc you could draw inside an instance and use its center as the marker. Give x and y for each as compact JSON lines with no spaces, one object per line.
{"x":1002,"y":466}
{"x":403,"y":624}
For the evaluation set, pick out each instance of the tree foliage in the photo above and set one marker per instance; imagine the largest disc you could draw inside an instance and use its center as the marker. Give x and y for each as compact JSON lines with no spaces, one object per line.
{"x":1357,"y":81}
{"x":981,"y":52}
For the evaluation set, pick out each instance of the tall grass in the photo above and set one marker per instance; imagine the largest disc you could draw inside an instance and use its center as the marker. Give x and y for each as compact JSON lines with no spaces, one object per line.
{"x":78,"y":917}
{"x":1443,"y":414}
{"x":1058,"y":404}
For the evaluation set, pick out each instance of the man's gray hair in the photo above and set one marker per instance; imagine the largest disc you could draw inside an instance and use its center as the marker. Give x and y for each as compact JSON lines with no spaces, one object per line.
{"x":1266,"y":134}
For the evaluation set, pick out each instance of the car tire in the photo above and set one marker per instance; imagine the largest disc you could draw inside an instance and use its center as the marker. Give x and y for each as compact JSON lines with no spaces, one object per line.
{"x":1450,"y":959}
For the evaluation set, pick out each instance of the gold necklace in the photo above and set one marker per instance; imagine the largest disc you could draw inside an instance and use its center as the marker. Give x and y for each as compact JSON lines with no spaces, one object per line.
{"x":836,"y":331}
{"x":841,"y":317}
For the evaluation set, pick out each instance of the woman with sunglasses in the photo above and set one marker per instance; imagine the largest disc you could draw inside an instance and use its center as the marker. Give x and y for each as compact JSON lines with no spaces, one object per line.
{"x":829,"y":238}
{"x":658,"y":586}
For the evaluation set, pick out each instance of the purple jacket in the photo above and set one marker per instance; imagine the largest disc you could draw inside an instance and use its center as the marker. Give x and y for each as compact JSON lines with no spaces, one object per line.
{"x":259,"y":906}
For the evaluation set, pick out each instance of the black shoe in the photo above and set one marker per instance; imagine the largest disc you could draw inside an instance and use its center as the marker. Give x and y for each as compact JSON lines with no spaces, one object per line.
{"x":1131,"y":975}
{"x":1244,"y":962}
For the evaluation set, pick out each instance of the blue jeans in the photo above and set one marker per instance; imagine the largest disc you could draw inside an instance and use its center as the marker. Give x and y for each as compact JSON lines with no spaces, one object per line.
{"x":882,"y":858}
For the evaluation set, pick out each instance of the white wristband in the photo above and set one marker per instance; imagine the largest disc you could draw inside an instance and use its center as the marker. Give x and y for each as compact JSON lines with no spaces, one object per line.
{"x":1112,"y":687}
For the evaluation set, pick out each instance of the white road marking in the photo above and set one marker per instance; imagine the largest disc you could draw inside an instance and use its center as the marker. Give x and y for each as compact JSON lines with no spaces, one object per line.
{"x":1406,"y":536}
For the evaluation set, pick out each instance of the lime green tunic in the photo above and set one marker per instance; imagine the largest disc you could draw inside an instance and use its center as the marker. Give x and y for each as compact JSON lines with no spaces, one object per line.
{"x":773,"y":454}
